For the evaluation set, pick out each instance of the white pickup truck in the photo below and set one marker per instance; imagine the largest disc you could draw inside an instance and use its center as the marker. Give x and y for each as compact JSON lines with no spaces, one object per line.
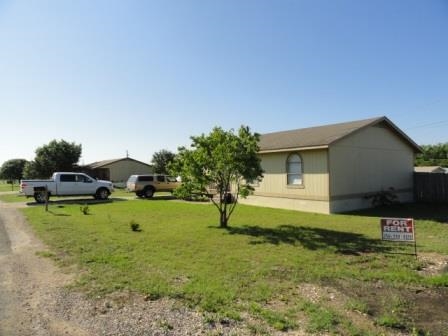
{"x":66,"y":184}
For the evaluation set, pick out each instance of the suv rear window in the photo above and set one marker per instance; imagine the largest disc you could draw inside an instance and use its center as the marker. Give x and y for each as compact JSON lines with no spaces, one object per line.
{"x":147,"y":178}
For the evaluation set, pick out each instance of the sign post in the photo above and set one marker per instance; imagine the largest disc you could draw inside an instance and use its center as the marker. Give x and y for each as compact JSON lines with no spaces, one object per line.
{"x":399,"y":229}
{"x":46,"y":198}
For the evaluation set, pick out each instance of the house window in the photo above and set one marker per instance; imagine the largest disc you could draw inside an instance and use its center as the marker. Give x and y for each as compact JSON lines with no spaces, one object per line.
{"x":294,"y":170}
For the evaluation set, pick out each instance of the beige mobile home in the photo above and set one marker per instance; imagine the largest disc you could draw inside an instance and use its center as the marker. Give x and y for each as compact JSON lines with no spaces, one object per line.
{"x":330,"y":169}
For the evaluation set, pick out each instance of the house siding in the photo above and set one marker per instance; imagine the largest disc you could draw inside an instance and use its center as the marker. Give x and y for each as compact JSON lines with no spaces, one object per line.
{"x":273,"y":190}
{"x":121,"y":170}
{"x":378,"y":160}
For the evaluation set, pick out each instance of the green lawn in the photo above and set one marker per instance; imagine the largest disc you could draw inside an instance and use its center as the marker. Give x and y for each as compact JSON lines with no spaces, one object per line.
{"x":255,"y":267}
{"x":8,"y":187}
{"x":11,"y":198}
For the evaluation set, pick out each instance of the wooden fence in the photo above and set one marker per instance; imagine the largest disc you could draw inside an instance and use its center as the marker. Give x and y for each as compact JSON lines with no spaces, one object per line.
{"x":431,"y":187}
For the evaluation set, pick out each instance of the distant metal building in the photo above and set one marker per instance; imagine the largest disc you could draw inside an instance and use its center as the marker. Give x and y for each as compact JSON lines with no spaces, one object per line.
{"x":117,"y":170}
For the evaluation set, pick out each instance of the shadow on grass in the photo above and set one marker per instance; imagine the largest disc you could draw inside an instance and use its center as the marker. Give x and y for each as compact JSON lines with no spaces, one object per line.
{"x":312,"y":238}
{"x":78,"y":201}
{"x":420,"y":211}
{"x":58,"y":213}
{"x":159,"y":197}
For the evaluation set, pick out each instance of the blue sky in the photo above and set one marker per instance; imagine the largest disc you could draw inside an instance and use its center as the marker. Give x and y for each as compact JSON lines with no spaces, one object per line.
{"x":141,"y":76}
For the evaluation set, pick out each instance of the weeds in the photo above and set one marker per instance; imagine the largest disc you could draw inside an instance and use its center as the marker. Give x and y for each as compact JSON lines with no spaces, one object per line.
{"x":320,"y":318}
{"x":135,"y":226}
{"x":358,"y":306}
{"x":277,"y":320}
{"x":85,"y":209}
{"x":395,"y":313}
{"x":165,"y":325}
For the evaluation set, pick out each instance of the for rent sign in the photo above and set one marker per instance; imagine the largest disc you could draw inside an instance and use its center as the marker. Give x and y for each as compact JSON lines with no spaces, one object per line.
{"x":398,"y":229}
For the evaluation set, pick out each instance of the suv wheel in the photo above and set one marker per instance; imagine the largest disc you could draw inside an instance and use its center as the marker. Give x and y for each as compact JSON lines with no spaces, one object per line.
{"x":148,"y":192}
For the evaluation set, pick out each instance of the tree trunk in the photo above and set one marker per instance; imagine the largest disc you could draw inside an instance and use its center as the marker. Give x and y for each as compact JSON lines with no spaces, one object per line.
{"x":223,"y":219}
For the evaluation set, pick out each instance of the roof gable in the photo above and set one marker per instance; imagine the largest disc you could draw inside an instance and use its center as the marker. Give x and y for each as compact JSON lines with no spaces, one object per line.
{"x":324,"y":136}
{"x":100,"y":164}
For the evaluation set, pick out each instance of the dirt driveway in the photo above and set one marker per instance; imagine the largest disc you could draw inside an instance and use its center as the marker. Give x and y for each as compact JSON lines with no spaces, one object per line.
{"x":29,"y":284}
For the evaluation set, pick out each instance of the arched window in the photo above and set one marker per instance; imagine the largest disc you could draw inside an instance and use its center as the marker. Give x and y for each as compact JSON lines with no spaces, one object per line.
{"x":294,"y":170}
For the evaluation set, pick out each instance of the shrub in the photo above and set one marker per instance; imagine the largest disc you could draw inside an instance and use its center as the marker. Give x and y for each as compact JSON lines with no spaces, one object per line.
{"x":134,"y":226}
{"x":85,"y":209}
{"x":383,"y":197}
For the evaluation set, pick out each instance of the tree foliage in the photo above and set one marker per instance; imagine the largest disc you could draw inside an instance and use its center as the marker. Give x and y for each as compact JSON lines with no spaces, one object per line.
{"x":161,"y":160}
{"x":433,"y":155}
{"x":12,"y":169}
{"x":55,"y":156}
{"x":221,"y":164}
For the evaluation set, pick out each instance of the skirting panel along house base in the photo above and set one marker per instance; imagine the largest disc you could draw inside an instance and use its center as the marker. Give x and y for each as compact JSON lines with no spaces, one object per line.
{"x":288,"y":203}
{"x":338,"y":205}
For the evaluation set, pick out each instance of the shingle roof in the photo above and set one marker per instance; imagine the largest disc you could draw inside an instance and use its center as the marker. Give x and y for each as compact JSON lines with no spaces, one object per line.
{"x":99,"y":164}
{"x":323,"y":136}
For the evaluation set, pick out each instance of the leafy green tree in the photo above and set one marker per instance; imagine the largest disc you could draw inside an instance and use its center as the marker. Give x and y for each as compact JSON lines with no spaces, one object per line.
{"x":12,"y":169}
{"x":55,"y":156}
{"x":433,"y":155}
{"x":221,"y":163}
{"x":161,"y":159}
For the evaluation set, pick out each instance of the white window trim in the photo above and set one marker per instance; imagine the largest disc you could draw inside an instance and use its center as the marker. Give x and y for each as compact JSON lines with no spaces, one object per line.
{"x":299,"y":174}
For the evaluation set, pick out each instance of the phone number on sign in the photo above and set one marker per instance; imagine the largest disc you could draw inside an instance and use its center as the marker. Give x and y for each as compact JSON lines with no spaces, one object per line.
{"x":397,"y":236}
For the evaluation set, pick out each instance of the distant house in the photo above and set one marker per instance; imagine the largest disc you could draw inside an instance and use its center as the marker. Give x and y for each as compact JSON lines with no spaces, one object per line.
{"x":330,"y":169}
{"x":117,"y":170}
{"x":430,"y":169}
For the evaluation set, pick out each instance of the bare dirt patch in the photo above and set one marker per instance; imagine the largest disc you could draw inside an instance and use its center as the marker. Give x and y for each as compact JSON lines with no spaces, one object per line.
{"x":433,"y":263}
{"x":423,"y":310}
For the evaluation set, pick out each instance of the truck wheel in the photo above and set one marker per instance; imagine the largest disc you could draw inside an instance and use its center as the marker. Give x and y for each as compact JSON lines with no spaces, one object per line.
{"x":102,"y":194}
{"x":148,"y":192}
{"x":39,"y":196}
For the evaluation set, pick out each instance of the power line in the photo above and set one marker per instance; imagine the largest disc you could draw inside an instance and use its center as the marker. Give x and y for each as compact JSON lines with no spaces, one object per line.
{"x":432,"y":124}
